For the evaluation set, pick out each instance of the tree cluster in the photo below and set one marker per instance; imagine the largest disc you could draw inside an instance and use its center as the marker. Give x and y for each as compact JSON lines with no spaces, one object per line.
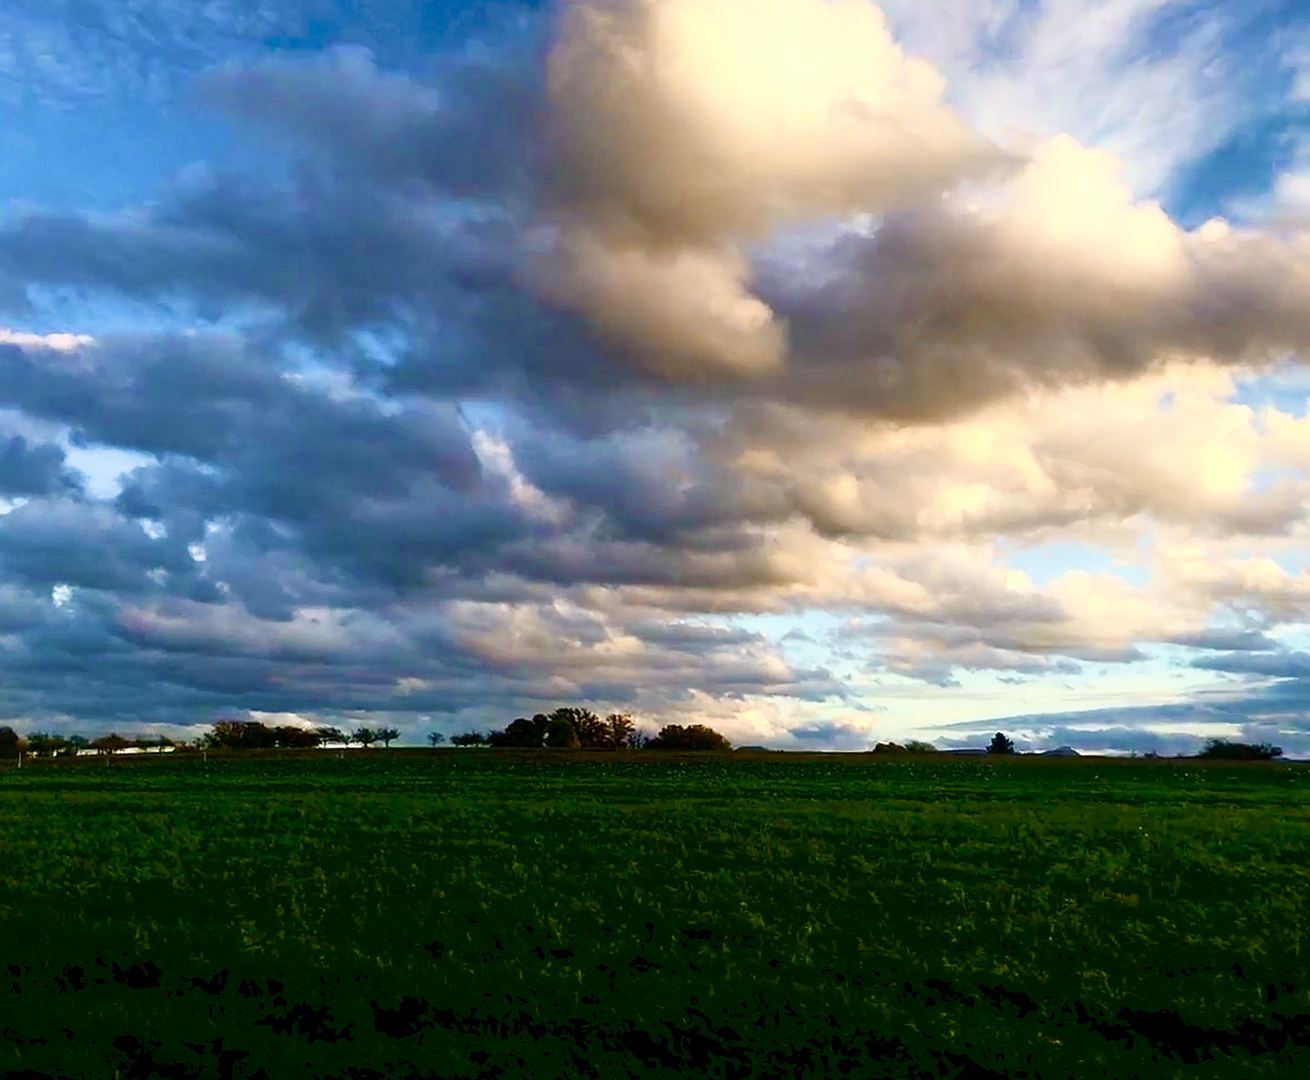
{"x":42,"y":744}
{"x":911,"y":747}
{"x":571,"y":728}
{"x":252,"y":735}
{"x":1236,"y":751}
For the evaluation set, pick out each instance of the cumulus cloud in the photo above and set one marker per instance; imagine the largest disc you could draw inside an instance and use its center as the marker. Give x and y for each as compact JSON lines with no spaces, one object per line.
{"x":1170,"y":445}
{"x":688,"y":121}
{"x":682,"y":129}
{"x":1059,"y":277}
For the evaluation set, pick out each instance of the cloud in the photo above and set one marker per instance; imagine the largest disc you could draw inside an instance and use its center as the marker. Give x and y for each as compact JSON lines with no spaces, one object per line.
{"x":681,"y":130}
{"x":32,"y":470}
{"x":542,"y":370}
{"x":1058,"y":278}
{"x":1160,"y":84}
{"x":470,"y":137}
{"x":691,"y":121}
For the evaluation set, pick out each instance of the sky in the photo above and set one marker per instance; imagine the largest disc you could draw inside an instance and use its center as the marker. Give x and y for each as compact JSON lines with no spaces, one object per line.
{"x":824,"y":372}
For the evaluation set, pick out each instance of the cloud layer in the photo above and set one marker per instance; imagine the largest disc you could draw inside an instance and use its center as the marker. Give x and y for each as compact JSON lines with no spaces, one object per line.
{"x":540,"y":378}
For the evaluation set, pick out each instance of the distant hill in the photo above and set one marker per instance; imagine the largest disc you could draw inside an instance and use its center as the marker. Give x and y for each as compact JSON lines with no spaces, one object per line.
{"x":1061,"y":751}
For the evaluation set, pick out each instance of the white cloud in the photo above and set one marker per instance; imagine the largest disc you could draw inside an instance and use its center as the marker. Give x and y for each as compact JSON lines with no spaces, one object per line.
{"x":685,"y":128}
{"x":61,"y":342}
{"x":1090,"y":69}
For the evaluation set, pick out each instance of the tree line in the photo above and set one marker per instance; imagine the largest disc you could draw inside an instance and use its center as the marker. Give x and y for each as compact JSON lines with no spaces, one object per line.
{"x":567,"y":728}
{"x":47,"y":745}
{"x":572,"y":728}
{"x":252,"y":735}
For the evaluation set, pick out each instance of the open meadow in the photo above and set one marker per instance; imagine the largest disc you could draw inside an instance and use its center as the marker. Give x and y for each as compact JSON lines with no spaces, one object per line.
{"x":478,"y":913}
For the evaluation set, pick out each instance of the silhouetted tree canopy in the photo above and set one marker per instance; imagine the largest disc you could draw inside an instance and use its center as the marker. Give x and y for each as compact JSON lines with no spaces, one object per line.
{"x":386,"y":735}
{"x":522,"y":732}
{"x":46,"y":745}
{"x":296,"y":738}
{"x":562,"y":734}
{"x":469,"y":738}
{"x":1000,"y":745}
{"x":621,"y":732}
{"x":252,"y":735}
{"x":436,"y":738}
{"x":10,"y":743}
{"x":1236,"y":751}
{"x":588,"y":729}
{"x":692,"y":737}
{"x":110,"y":744}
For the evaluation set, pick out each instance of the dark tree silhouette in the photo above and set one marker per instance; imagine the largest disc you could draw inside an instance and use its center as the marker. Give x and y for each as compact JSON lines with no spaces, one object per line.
{"x":74,"y":744}
{"x":469,"y":738}
{"x":46,"y":745}
{"x":589,"y":729}
{"x":521,"y":732}
{"x":692,"y":737}
{"x":436,"y":738}
{"x":331,"y":734}
{"x":387,"y":735}
{"x":1223,"y":750}
{"x":111,"y":743}
{"x":252,"y":735}
{"x":619,"y":730}
{"x":914,"y":746}
{"x":295,"y":738}
{"x":562,"y":734}
{"x":366,"y":737}
{"x":888,"y":748}
{"x":1000,"y":745}
{"x":10,"y":743}
{"x":240,"y":735}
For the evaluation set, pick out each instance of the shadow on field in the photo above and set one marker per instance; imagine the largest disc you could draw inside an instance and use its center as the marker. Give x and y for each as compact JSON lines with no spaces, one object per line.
{"x":269,"y":1034}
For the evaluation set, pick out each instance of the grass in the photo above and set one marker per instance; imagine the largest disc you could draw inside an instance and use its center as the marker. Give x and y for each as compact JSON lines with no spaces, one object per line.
{"x":481,"y":914}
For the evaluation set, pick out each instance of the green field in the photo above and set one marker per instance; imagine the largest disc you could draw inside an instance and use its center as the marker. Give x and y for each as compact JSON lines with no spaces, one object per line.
{"x":468,"y":913}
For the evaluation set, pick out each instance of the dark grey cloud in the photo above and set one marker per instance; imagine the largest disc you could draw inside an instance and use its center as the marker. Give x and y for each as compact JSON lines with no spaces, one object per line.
{"x":27,"y":469}
{"x":937,"y":314}
{"x":278,"y":552}
{"x":1279,"y":664}
{"x":1227,"y":641}
{"x":471,"y":135}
